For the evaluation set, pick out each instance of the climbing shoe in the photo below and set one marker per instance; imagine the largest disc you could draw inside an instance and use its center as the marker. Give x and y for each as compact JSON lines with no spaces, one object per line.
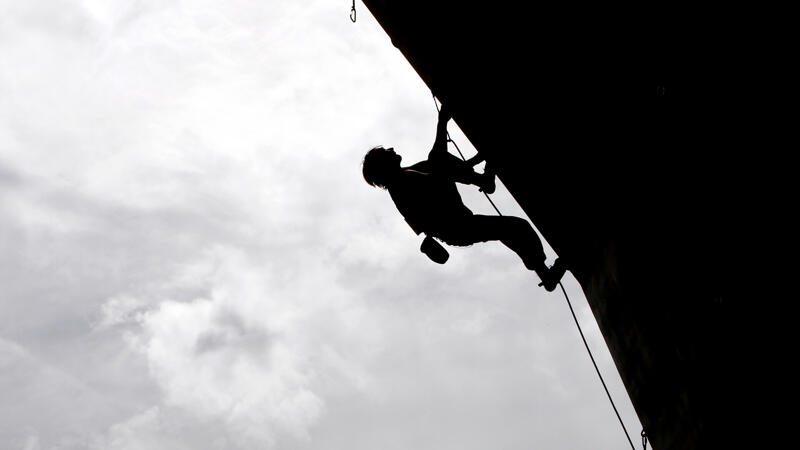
{"x":552,"y":276}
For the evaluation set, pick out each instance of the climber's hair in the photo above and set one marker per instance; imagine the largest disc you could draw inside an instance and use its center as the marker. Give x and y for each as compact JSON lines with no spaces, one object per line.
{"x":377,"y":165}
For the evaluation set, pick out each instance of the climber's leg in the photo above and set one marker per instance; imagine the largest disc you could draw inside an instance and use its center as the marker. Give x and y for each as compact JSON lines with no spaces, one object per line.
{"x":515,"y":233}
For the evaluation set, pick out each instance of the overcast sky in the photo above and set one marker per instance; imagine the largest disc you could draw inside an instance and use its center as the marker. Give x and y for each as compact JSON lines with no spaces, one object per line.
{"x":190,"y":259}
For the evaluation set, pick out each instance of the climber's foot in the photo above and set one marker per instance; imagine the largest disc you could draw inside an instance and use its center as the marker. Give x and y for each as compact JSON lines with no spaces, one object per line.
{"x":552,"y":276}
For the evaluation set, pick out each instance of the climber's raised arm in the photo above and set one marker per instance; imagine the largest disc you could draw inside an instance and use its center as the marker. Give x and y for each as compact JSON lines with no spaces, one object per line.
{"x":440,"y":142}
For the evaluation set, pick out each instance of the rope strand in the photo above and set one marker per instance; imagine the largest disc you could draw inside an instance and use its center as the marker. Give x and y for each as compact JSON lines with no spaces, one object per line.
{"x":595,"y":366}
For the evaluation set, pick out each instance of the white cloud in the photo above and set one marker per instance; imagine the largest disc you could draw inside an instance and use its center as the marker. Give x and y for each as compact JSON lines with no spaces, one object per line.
{"x":121,"y":309}
{"x":248,"y":356}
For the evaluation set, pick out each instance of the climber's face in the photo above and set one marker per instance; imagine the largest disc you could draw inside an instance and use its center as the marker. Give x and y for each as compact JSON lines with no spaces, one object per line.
{"x":395,"y":156}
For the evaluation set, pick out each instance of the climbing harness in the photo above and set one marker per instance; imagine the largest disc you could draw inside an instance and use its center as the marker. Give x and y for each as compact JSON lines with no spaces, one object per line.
{"x":574,"y":317}
{"x":353,"y":12}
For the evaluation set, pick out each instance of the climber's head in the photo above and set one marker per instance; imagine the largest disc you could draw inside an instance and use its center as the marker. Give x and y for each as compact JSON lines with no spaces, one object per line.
{"x":379,"y":165}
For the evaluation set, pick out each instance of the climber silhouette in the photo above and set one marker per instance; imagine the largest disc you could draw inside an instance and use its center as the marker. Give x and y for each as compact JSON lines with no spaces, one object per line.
{"x":426,"y":195}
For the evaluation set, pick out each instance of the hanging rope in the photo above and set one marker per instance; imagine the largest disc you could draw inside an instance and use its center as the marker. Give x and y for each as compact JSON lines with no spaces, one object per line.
{"x":353,"y":12}
{"x":596,"y":369}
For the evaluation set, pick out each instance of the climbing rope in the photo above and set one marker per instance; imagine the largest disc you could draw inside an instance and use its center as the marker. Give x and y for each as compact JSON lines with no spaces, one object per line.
{"x":598,"y":370}
{"x":574,"y":317}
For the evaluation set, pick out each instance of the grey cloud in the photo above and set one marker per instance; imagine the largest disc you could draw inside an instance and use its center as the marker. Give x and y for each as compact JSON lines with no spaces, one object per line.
{"x":68,"y":21}
{"x":9,"y":178}
{"x":189,"y":255}
{"x":228,"y":332}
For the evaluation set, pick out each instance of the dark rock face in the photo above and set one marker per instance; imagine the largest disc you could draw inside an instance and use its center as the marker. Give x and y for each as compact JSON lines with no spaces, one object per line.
{"x":637,"y":141}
